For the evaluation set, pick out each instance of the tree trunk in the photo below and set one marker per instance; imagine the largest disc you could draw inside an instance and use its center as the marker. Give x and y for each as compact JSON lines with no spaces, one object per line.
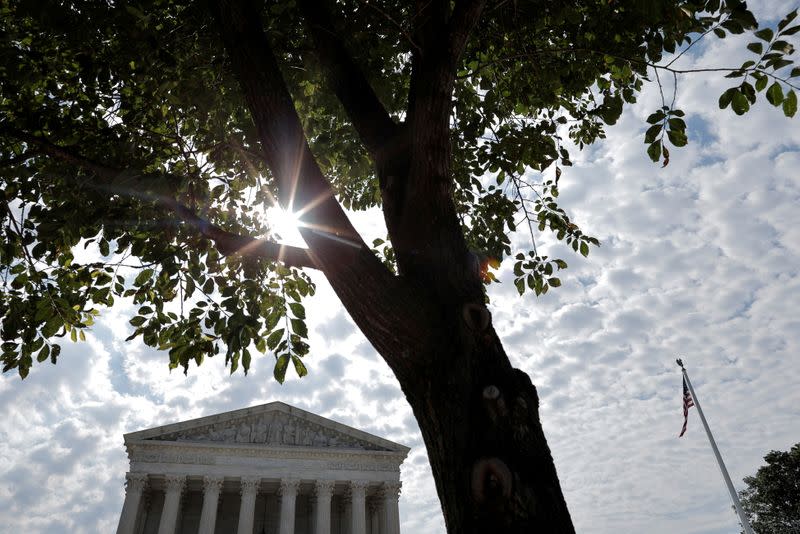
{"x":478,"y":415}
{"x":479,"y":418}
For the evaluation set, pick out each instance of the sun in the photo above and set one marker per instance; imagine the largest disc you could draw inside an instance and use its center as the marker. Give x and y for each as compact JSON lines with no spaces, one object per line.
{"x":284,"y":225}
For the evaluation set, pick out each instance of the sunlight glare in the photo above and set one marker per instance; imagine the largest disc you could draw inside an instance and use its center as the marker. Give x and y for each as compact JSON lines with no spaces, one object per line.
{"x":284,"y":226}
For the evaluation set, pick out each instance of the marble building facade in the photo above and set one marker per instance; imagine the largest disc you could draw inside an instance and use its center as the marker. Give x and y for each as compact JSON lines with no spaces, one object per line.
{"x":269,"y":469}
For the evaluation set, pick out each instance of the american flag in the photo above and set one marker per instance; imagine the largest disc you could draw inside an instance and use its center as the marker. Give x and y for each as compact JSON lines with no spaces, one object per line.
{"x":687,"y":403}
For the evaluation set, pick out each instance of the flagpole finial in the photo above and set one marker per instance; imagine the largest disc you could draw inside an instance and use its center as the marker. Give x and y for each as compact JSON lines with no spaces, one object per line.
{"x":680,"y":362}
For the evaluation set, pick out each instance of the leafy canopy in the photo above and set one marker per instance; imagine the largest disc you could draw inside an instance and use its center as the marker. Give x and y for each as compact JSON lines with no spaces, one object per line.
{"x":130,"y":167}
{"x":772,"y":498}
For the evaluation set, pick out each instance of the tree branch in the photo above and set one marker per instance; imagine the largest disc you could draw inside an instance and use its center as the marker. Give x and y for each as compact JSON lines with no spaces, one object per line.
{"x":463,"y":20}
{"x":396,"y":319}
{"x":374,"y":125}
{"x":229,"y":243}
{"x":432,"y":79}
{"x":301,"y":186}
{"x":434,"y":70}
{"x":154,"y":186}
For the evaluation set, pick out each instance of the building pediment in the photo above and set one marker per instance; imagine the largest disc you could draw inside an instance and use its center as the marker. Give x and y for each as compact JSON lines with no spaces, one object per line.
{"x":273,"y":425}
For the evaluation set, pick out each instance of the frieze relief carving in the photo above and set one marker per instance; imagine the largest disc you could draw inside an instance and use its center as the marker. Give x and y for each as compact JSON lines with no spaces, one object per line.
{"x":341,"y":461}
{"x":271,"y":429}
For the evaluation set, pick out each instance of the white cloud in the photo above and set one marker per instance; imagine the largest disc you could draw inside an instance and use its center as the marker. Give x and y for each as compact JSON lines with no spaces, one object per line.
{"x":699,"y":259}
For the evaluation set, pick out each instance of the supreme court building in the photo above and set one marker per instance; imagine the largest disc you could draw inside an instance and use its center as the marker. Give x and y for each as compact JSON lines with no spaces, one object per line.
{"x":269,"y":469}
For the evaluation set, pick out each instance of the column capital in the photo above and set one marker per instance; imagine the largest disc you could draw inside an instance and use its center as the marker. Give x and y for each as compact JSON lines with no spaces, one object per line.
{"x":213,"y":483}
{"x":289,"y":486}
{"x":135,"y":482}
{"x":324,"y":488}
{"x":358,"y":486}
{"x":390,"y":490}
{"x":175,"y":483}
{"x":374,"y":505}
{"x":355,"y":488}
{"x":250,"y":485}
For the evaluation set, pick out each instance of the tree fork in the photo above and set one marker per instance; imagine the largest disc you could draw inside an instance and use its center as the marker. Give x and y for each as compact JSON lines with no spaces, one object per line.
{"x":389,"y":310}
{"x":478,"y":415}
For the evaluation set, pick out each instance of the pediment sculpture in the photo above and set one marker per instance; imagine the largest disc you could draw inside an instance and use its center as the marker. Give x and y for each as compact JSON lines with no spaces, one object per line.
{"x":276,"y":428}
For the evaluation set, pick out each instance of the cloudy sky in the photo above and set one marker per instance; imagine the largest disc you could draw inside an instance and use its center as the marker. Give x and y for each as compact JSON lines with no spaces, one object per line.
{"x":700,"y":259}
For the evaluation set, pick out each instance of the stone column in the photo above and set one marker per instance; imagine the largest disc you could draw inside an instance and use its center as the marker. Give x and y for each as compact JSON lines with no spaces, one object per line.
{"x":288,"y":493}
{"x":374,"y":509}
{"x":144,"y":509}
{"x":135,"y":483}
{"x":390,"y":494}
{"x":358,"y":510}
{"x":323,"y":491}
{"x":173,"y":488}
{"x":212,"y":486}
{"x":247,"y":509}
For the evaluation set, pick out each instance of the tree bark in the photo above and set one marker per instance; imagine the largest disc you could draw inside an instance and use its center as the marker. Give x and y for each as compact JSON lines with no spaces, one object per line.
{"x":478,"y":415}
{"x":479,"y":418}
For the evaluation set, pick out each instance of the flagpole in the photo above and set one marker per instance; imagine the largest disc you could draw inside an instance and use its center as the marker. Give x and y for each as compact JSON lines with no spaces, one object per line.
{"x":735,"y":498}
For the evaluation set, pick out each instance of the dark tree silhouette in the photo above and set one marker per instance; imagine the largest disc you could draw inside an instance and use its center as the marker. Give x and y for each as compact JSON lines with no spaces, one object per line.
{"x":772,"y":497}
{"x":154,"y":134}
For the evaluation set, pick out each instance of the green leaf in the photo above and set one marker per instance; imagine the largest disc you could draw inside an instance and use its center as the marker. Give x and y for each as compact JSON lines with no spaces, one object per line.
{"x":765,"y":34}
{"x":749,"y":92}
{"x":782,"y":46}
{"x":519,"y":283}
{"x":677,"y":124}
{"x":776,"y":64}
{"x":275,"y":338}
{"x":43,"y":354}
{"x":740,"y":104}
{"x":279,"y":372}
{"x":727,"y":97}
{"x":299,"y":366}
{"x":761,"y":83}
{"x":190,"y":286}
{"x":54,"y":352}
{"x":299,"y":327}
{"x":652,"y":132}
{"x":137,"y":321}
{"x":787,"y":19}
{"x":654,"y":151}
{"x":555,"y":282}
{"x":298,"y":310}
{"x":756,"y":47}
{"x":143,"y":277}
{"x":775,"y":94}
{"x":246,"y":360}
{"x":584,"y":249}
{"x":677,"y":138}
{"x":134,"y":11}
{"x":790,"y":104}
